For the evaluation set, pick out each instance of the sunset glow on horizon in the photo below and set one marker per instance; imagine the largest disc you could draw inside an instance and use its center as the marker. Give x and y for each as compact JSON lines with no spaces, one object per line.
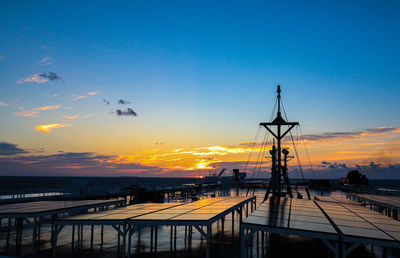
{"x":180,"y":89}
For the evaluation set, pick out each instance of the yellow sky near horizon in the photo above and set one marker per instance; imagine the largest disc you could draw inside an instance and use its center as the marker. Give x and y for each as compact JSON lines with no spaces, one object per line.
{"x":328,"y":152}
{"x":362,"y":149}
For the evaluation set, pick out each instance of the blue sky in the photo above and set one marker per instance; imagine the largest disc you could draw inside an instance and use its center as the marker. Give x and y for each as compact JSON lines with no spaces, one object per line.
{"x":197,"y":73}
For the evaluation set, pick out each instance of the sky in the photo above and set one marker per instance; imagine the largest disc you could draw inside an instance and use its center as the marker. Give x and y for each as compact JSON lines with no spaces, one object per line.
{"x":178,"y":88}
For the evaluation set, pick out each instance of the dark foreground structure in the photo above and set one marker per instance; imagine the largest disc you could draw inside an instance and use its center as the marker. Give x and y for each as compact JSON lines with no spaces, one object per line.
{"x":389,"y":205}
{"x":341,"y":225}
{"x":129,"y":220}
{"x":33,"y":212}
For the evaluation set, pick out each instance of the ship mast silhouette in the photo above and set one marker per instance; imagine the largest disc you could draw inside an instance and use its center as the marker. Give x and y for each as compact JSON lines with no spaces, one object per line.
{"x":279,"y":171}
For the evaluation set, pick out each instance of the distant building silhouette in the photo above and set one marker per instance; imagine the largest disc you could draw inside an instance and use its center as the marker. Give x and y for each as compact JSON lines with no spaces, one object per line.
{"x":354,"y":177}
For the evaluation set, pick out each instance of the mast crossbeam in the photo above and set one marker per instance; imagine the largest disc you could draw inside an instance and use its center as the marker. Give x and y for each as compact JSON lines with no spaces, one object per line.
{"x":278,"y":170}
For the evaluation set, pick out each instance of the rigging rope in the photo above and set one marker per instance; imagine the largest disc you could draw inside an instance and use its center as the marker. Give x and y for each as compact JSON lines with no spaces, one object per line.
{"x":252,"y":147}
{"x":252,"y":176}
{"x":305,"y":147}
{"x":295,"y":149}
{"x":264,"y":143}
{"x":263,"y":146}
{"x":262,"y":158}
{"x":259,"y":161}
{"x":273,"y":110}
{"x":259,"y":153}
{"x":263,"y":155}
{"x":257,"y":134}
{"x":297,"y":157}
{"x":297,"y":144}
{"x":308,"y":156}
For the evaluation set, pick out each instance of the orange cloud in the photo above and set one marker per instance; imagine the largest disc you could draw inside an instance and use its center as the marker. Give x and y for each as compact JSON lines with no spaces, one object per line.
{"x":200,"y":158}
{"x":26,"y":113}
{"x":80,"y":97}
{"x":219,"y":150}
{"x":48,"y":107}
{"x":49,"y":127}
{"x":72,"y":116}
{"x":35,"y":111}
{"x":376,"y":144}
{"x":91,"y":93}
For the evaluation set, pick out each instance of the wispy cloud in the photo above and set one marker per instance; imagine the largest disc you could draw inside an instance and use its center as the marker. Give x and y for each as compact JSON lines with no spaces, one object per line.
{"x":35,"y":111}
{"x":47,"y":128}
{"x":51,"y":96}
{"x":45,"y":61}
{"x":80,"y":97}
{"x":250,"y":144}
{"x":48,"y":107}
{"x":72,"y":116}
{"x":27,"y":113}
{"x":334,"y":136}
{"x":127,"y":112}
{"x":87,"y":116}
{"x":91,"y":93}
{"x":1,"y":57}
{"x":189,"y":159}
{"x":349,"y":135}
{"x":40,"y":78}
{"x":3,"y":104}
{"x":218,"y":150}
{"x":33,"y":78}
{"x":342,"y":154}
